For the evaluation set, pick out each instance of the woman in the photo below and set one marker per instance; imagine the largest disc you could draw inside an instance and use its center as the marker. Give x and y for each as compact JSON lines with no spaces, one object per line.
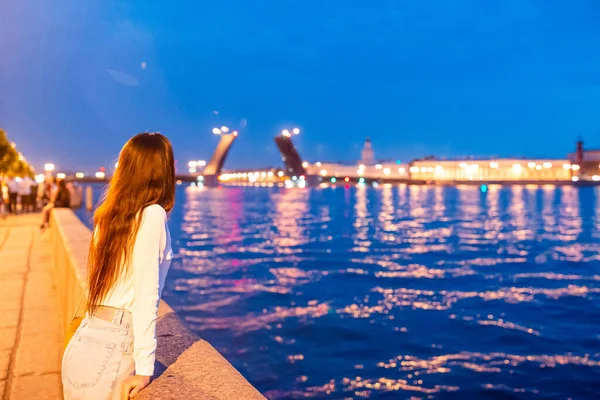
{"x":61,"y":199}
{"x":111,"y":355}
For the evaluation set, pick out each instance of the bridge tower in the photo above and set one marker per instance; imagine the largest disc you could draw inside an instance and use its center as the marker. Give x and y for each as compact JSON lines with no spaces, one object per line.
{"x":289,"y":155}
{"x":215,"y":165}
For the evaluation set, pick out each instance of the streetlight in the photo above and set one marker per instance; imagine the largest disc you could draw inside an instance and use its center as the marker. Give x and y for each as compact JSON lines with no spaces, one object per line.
{"x":288,"y":134}
{"x":48,"y":167}
{"x":223,"y":129}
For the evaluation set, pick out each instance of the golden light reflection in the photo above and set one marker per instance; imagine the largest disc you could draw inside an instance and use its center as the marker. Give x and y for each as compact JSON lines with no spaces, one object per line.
{"x":361,"y":221}
{"x":548,"y":210}
{"x":291,"y":208}
{"x":596,"y":232}
{"x":521,"y":230}
{"x":493,"y":225}
{"x":569,"y":219}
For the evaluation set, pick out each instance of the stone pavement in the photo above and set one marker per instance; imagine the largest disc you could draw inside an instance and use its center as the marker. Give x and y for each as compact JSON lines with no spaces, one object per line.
{"x":30,"y":329}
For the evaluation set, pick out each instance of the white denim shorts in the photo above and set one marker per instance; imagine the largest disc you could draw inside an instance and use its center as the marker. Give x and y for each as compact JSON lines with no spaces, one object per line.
{"x":98,"y":358}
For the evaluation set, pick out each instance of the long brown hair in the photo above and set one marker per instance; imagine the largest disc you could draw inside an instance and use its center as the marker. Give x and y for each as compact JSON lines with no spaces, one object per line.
{"x":145,"y":175}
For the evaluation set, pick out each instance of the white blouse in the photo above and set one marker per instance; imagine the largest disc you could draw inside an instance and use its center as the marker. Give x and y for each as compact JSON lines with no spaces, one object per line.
{"x":139,"y":291}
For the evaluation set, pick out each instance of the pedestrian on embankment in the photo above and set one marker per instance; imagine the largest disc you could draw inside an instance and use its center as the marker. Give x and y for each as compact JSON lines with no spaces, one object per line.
{"x":13,"y":194}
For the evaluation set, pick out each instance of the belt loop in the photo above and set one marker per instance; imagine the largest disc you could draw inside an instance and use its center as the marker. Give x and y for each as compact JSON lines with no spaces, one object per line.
{"x":121,"y":313}
{"x":116,"y":317}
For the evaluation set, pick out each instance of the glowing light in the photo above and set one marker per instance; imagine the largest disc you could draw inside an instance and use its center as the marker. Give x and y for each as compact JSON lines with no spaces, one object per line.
{"x":201,"y":163}
{"x":61,"y":175}
{"x":294,"y":178}
{"x":39,"y":178}
{"x":494,"y":165}
{"x":423,"y":169}
{"x":575,"y":178}
{"x":224,"y":129}
{"x":192,"y":170}
{"x":48,"y":167}
{"x":100,"y":175}
{"x":192,"y":164}
{"x":575,"y":167}
{"x":361,"y":166}
{"x":263,"y":174}
{"x":387,"y":171}
{"x":401,"y":170}
{"x":323,"y":172}
{"x":474,"y":166}
{"x":286,"y":133}
{"x":538,"y":167}
{"x":463,"y":165}
{"x":347,"y":179}
{"x":79,"y":175}
{"x":270,"y":174}
{"x":296,"y":131}
{"x":547,"y":165}
{"x":318,"y":164}
{"x":216,"y":131}
{"x":333,"y":180}
{"x":234,"y":133}
{"x":531,"y":164}
{"x":361,"y":180}
{"x":566,"y":166}
{"x":378,"y":166}
{"x":484,"y":188}
{"x":439,"y":169}
{"x":305,"y":164}
{"x":280,"y":174}
{"x":200,"y":178}
{"x":13,"y":144}
{"x":414,"y":169}
{"x":116,"y":165}
{"x":596,"y":178}
{"x":517,"y":169}
{"x":429,"y":169}
{"x":360,"y":172}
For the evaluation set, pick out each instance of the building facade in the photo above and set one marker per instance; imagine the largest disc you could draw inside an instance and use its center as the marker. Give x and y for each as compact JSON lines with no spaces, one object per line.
{"x":493,"y":170}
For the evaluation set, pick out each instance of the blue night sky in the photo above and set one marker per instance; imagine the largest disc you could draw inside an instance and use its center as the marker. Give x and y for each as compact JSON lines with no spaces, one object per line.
{"x":451,"y":78}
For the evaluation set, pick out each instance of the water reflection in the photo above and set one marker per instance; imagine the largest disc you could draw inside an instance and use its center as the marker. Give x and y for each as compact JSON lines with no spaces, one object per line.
{"x":398,"y":291}
{"x":290,"y":212}
{"x":569,"y":221}
{"x":361,"y":221}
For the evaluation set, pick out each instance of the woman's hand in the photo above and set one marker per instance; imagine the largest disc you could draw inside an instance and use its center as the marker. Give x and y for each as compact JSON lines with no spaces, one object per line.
{"x":132,"y":386}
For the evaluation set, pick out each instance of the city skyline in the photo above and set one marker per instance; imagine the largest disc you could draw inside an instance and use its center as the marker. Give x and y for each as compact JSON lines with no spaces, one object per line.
{"x":515,"y":79}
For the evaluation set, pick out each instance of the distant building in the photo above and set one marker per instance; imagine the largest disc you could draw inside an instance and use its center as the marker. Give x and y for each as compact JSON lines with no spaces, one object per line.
{"x":367,"y":155}
{"x":588,"y":160}
{"x":503,"y":170}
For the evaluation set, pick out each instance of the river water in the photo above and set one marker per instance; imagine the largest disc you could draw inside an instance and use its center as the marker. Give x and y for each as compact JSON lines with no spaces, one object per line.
{"x":397,"y":291}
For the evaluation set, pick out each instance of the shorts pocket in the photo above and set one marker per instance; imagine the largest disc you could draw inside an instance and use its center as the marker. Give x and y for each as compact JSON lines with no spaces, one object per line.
{"x":86,"y":361}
